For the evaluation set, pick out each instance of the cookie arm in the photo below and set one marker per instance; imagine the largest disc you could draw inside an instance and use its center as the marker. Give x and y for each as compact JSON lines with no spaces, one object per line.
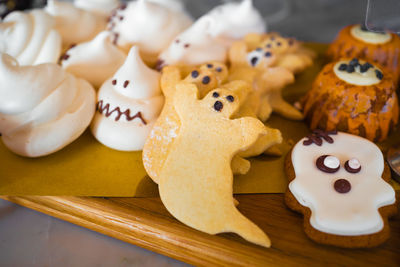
{"x":250,"y":130}
{"x":185,"y":98}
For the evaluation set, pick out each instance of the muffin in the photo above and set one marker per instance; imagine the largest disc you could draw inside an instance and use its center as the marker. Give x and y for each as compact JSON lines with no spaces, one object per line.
{"x":352,"y":96}
{"x":381,"y":49}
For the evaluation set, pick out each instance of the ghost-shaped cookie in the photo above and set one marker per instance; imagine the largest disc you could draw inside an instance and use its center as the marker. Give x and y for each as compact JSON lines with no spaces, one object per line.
{"x":338,"y":184}
{"x":128,"y":105}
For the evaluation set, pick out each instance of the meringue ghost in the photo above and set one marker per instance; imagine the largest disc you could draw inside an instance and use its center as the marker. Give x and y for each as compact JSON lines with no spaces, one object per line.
{"x":42,"y":107}
{"x":149,"y":25}
{"x":100,"y":7}
{"x":128,"y":105}
{"x":209,"y":38}
{"x":74,"y":24}
{"x":30,"y":37}
{"x":94,"y":61}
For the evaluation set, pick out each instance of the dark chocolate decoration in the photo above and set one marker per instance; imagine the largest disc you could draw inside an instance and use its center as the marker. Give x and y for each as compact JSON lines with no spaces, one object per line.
{"x":278,"y":43}
{"x":219,"y":69}
{"x":106,"y":109}
{"x":272,"y":38}
{"x":206,"y":80}
{"x":123,"y":6}
{"x":121,"y":18}
{"x":268,"y":46}
{"x":186,"y":45}
{"x":343,"y":67}
{"x":195,"y":74}
{"x":230,"y":98}
{"x":379,"y":74}
{"x":114,"y":82}
{"x":321,"y":165}
{"x":209,"y":66}
{"x":218,"y":106}
{"x":350,"y":169}
{"x":365,"y":67}
{"x":354,"y":62}
{"x":317,"y":137}
{"x":160,"y":64}
{"x":126,"y":83}
{"x":350,"y":68}
{"x":267,"y":54}
{"x":259,"y":49}
{"x":253,"y":61}
{"x":291,"y":42}
{"x":215,"y":94}
{"x":177,"y":41}
{"x":342,"y":186}
{"x":115,"y":40}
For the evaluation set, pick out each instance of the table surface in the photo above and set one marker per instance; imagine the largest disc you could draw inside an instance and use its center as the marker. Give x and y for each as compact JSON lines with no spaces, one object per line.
{"x":29,"y":238}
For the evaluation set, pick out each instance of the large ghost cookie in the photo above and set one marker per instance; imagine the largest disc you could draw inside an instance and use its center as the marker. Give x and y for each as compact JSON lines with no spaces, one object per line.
{"x":338,"y":181}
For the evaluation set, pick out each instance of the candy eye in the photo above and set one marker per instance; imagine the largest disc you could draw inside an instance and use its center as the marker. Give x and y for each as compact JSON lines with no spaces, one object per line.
{"x":353,"y":165}
{"x":327,"y":163}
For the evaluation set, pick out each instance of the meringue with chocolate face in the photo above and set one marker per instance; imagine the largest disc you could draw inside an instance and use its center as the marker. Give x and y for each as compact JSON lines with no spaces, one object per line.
{"x":209,"y":38}
{"x":128,"y":105}
{"x":43,"y":108}
{"x":30,"y":37}
{"x":74,"y":24}
{"x":149,"y":25}
{"x":100,"y":7}
{"x":94,"y":61}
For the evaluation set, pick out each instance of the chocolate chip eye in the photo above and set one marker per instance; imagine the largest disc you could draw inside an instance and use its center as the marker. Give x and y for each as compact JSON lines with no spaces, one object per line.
{"x":272,"y":38}
{"x":267,"y":54}
{"x":219,"y":69}
{"x":126,"y":83}
{"x":114,"y":82}
{"x":195,"y":74}
{"x":177,"y":41}
{"x":209,"y":66}
{"x":215,"y":94}
{"x":230,"y":98}
{"x":254,"y":61}
{"x":206,"y":80}
{"x":327,"y":163}
{"x":278,"y":43}
{"x":268,"y":46}
{"x":218,"y":106}
{"x":186,"y":45}
{"x":352,"y":165}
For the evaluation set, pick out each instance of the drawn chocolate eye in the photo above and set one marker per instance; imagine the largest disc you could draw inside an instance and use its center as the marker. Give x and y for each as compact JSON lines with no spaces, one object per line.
{"x":254,"y":57}
{"x":353,"y":165}
{"x":328,"y":163}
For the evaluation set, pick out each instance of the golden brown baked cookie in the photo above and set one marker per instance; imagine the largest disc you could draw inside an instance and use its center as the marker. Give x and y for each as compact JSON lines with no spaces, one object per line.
{"x":352,"y":96}
{"x":339,"y":183}
{"x":354,"y":41}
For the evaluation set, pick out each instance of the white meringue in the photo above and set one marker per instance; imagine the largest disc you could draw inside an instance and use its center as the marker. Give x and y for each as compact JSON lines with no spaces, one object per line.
{"x":149,"y":25}
{"x":100,"y":7}
{"x":128,"y":105}
{"x":30,"y":37}
{"x":212,"y":34}
{"x":45,"y":116}
{"x":94,"y":61}
{"x":74,"y":24}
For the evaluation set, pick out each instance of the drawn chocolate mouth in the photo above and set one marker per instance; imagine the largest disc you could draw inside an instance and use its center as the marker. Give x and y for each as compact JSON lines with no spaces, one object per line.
{"x":127,"y":113}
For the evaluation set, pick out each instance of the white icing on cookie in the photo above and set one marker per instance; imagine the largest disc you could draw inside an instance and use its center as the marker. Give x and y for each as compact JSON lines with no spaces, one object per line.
{"x":128,"y":105}
{"x":370,"y":37}
{"x":149,"y":25}
{"x":354,"y":212}
{"x":42,"y":107}
{"x":30,"y":37}
{"x":357,"y":77}
{"x":94,"y":61}
{"x":74,"y":24}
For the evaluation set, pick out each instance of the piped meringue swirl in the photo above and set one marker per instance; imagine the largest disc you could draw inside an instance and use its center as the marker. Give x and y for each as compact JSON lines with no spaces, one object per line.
{"x":43,"y":108}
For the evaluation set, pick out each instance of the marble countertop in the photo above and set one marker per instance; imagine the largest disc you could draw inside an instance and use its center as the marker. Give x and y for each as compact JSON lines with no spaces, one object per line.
{"x":29,"y":238}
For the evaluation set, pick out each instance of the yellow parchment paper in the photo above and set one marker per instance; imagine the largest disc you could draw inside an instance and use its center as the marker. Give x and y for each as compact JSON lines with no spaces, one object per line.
{"x":87,"y":168}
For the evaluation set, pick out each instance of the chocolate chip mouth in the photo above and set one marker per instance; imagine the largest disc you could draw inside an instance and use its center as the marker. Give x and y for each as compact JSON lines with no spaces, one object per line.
{"x":342,"y":186}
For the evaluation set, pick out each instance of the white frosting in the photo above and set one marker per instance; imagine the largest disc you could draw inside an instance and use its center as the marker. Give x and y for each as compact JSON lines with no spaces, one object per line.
{"x":96,"y":60}
{"x":348,"y":214}
{"x":176,"y":5}
{"x":331,"y":162}
{"x":357,"y":78}
{"x":149,"y":25}
{"x":74,"y":24}
{"x":134,"y":87}
{"x":101,"y":7}
{"x":212,"y":34}
{"x":354,"y":163}
{"x":370,"y":37}
{"x":30,"y":37}
{"x":43,"y":108}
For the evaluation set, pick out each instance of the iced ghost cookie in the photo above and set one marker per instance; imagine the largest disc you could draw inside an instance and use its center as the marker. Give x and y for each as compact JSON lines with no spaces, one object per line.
{"x":42,"y":108}
{"x":195,"y":183}
{"x":338,"y":181}
{"x":128,"y":105}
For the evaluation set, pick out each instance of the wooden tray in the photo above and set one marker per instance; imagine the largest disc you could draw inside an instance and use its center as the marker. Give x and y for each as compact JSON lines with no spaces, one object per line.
{"x":146,"y":223}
